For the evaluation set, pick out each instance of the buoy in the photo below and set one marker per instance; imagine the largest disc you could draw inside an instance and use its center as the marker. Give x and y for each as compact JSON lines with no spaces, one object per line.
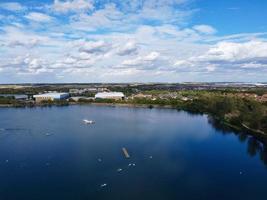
{"x":103,"y":185}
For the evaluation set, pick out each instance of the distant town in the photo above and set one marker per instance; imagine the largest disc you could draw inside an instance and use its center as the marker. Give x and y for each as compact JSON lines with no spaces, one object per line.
{"x":38,"y":93}
{"x":241,"y":106}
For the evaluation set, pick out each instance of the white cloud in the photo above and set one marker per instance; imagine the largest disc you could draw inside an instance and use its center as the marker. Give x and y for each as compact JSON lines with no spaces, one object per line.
{"x":12,"y":6}
{"x":130,"y":48}
{"x":95,"y":47}
{"x":38,"y":17}
{"x":229,"y":55}
{"x":33,"y":63}
{"x":121,"y":40}
{"x":14,"y":36}
{"x":112,"y":17}
{"x":107,"y":17}
{"x":27,"y":64}
{"x":147,"y":61}
{"x":24,"y":43}
{"x":72,"y":5}
{"x":240,"y":37}
{"x":152,"y":56}
{"x":236,"y":52}
{"x":205,"y":29}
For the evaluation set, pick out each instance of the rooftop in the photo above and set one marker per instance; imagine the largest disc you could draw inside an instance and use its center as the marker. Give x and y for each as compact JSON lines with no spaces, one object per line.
{"x":109,"y":94}
{"x":52,"y":94}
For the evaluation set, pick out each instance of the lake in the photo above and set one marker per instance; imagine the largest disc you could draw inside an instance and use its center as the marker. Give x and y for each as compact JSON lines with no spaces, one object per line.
{"x":49,"y":153}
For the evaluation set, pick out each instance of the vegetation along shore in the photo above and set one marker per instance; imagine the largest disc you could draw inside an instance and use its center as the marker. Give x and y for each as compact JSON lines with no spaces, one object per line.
{"x":242,"y":108}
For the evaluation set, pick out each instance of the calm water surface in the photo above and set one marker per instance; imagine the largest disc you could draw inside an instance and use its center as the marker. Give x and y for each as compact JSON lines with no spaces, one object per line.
{"x":48,"y":153}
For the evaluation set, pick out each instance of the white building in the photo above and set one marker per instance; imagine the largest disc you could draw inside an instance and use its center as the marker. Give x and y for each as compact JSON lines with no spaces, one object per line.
{"x":109,"y":95}
{"x":50,"y":96}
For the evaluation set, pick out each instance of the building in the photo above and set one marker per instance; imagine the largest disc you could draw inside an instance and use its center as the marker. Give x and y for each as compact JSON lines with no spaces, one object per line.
{"x":143,"y":96}
{"x":75,"y":91}
{"x":263,"y":98}
{"x":87,"y":90}
{"x":15,"y":96}
{"x":169,"y":95}
{"x":21,"y":97}
{"x":50,"y":96}
{"x":102,"y":89}
{"x":110,"y":95}
{"x":82,"y":98}
{"x":82,"y":91}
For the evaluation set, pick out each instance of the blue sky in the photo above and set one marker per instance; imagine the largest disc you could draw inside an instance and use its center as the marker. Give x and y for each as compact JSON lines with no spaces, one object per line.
{"x":133,"y":41}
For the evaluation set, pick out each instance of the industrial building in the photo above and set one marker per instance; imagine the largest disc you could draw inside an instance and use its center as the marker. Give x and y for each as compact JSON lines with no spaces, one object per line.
{"x":87,"y":90}
{"x":50,"y":96}
{"x":15,"y":96}
{"x":110,"y":95}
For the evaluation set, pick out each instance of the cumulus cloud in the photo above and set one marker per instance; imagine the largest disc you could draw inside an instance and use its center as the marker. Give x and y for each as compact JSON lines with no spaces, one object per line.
{"x":151,"y":56}
{"x":27,"y":64}
{"x":33,"y":63}
{"x":72,"y":63}
{"x":142,"y":62}
{"x":72,"y":5}
{"x":101,"y":40}
{"x":14,"y":36}
{"x":38,"y":17}
{"x":130,"y":48}
{"x":123,"y":18}
{"x":12,"y":6}
{"x":95,"y":47}
{"x":107,"y":17}
{"x":225,"y":55}
{"x":29,"y":43}
{"x":236,"y":52}
{"x":205,"y":29}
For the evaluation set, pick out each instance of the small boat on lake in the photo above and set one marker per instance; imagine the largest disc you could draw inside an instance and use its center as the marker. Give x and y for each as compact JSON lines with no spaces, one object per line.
{"x":88,"y":121}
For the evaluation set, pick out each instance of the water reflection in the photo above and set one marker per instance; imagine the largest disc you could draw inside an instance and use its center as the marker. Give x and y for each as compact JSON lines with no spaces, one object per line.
{"x":242,"y":137}
{"x":256,"y":146}
{"x":253,"y":146}
{"x":263,"y":154}
{"x":187,"y":155}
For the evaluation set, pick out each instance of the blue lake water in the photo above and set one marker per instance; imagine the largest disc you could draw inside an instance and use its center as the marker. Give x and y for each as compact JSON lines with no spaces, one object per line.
{"x":49,"y":153}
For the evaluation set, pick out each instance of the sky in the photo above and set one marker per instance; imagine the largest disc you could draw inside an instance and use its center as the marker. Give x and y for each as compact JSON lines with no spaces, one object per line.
{"x":84,"y":41}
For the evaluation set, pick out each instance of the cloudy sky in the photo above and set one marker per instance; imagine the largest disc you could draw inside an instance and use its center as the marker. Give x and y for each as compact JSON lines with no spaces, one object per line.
{"x":133,"y":40}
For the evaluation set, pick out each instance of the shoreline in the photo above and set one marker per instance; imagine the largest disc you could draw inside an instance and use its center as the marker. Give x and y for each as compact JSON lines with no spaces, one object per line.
{"x":129,"y":105}
{"x":96,"y":104}
{"x":256,"y":133}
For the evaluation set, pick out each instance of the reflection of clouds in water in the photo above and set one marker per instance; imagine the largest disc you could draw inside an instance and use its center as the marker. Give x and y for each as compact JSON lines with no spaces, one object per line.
{"x":14,"y":133}
{"x":174,"y":125}
{"x":173,"y":162}
{"x":175,"y":153}
{"x":14,"y":130}
{"x":150,"y":122}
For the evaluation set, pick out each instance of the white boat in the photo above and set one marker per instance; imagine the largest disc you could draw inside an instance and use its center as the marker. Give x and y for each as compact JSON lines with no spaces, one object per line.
{"x":88,"y":121}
